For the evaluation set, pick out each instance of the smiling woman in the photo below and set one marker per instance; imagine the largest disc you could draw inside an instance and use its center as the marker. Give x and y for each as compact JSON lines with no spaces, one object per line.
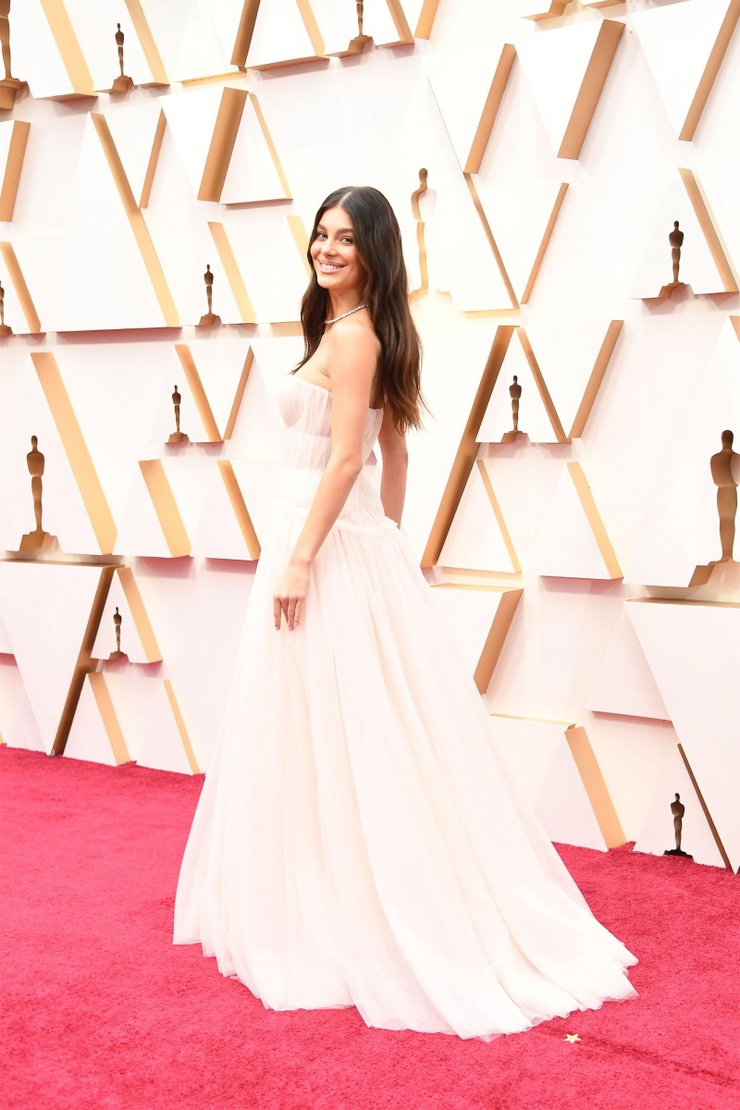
{"x":356,"y":841}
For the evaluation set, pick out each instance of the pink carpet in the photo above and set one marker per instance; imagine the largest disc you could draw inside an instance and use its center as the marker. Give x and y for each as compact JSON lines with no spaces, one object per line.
{"x":100,"y":1010}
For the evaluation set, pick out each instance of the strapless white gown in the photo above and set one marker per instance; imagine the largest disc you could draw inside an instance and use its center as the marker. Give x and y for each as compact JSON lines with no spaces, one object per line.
{"x":356,"y":841}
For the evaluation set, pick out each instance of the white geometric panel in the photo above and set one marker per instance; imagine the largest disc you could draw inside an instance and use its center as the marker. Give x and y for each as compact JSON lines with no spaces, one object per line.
{"x":534,"y":420}
{"x":698,"y":267}
{"x":227,"y":530}
{"x":103,"y":281}
{"x":624,"y":682}
{"x":253,"y":174}
{"x":573,"y":542}
{"x":478,"y":538}
{"x":657,"y":834}
{"x":135,"y":130}
{"x":269,"y":261}
{"x":468,"y":615}
{"x":138,"y":640}
{"x":47,"y":646}
{"x":560,"y":67}
{"x":284,"y":31}
{"x":191,"y":119}
{"x":95,"y":26}
{"x":337,"y":23}
{"x":694,"y":652}
{"x":209,"y":34}
{"x":684,"y":45}
{"x":573,"y":358}
{"x":95,"y":734}
{"x":36,"y":56}
{"x":542,"y":770}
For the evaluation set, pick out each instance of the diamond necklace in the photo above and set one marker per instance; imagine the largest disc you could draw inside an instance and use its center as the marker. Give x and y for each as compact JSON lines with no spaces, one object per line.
{"x":345,"y":314}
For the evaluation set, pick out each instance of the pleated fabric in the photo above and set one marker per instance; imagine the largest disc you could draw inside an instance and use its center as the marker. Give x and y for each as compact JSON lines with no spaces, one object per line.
{"x":356,"y":841}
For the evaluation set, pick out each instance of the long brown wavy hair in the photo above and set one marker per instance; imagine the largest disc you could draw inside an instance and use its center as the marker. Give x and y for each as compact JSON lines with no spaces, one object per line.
{"x":378,"y":244}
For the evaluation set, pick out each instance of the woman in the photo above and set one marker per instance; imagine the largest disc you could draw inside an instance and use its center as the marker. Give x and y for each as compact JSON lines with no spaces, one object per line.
{"x":356,"y":841}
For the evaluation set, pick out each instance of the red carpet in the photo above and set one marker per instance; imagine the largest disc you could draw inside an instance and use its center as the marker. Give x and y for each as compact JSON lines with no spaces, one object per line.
{"x":100,"y":1010}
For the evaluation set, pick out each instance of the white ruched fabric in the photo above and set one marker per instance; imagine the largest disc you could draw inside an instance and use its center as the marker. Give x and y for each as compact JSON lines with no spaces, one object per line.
{"x":356,"y":841}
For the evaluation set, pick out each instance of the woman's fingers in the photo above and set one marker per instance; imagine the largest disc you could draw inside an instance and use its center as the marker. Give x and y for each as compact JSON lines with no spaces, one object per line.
{"x":290,"y":607}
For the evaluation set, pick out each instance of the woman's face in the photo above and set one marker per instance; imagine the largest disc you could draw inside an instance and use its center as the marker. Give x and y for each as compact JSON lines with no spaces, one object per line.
{"x":335,"y":259}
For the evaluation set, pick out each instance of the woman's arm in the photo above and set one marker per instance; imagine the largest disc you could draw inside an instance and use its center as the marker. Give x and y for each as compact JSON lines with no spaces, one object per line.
{"x":395,"y":467}
{"x":352,"y":356}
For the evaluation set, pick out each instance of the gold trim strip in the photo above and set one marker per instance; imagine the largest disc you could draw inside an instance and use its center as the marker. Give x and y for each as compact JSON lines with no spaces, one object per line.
{"x":222,"y":143}
{"x":146,"y":188}
{"x":148,"y":45}
{"x":109,"y":717}
{"x":491,"y":241}
{"x":591,"y":88}
{"x":199,"y":394}
{"x":705,"y":809}
{"x":13,"y":167}
{"x":179,"y":721}
{"x":480,"y":463}
{"x":138,"y":612}
{"x":76,"y":450}
{"x":595,"y":522}
{"x":490,"y":109}
{"x":719,"y":257}
{"x":496,"y":638}
{"x":239,"y":395}
{"x":709,"y":76}
{"x":596,"y":378}
{"x":542,"y":389}
{"x":233,"y":274}
{"x":239,"y":505}
{"x":165,"y":507}
{"x":544,"y":242}
{"x":69,"y":48}
{"x":21,"y":289}
{"x":595,"y":786}
{"x":271,"y":146}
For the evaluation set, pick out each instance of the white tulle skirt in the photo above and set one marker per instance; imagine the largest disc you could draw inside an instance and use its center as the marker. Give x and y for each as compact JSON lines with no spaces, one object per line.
{"x":356,"y":842}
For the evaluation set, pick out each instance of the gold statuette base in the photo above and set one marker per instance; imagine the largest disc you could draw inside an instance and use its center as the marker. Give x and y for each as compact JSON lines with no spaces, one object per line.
{"x":122,"y":85}
{"x":515,"y":437}
{"x":178,"y":437}
{"x":722,"y":575}
{"x":360,"y":44}
{"x":671,"y":288}
{"x":117,"y":657}
{"x":34,"y":543}
{"x":209,"y":320}
{"x":8,"y":89}
{"x":5,"y":329}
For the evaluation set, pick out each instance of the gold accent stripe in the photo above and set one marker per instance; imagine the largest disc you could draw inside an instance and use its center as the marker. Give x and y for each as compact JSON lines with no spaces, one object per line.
{"x":542,"y":389}
{"x":233,"y":274}
{"x":68,"y":46}
{"x":468,"y":449}
{"x":270,"y":146}
{"x":199,"y":394}
{"x":138,"y":224}
{"x":85,"y":662}
{"x":491,"y":241}
{"x":405,"y":34}
{"x":494,"y":644}
{"x":109,"y":717}
{"x":146,"y":188}
{"x":711,"y":70}
{"x":480,"y":463}
{"x":298,"y":230}
{"x":426,"y":19}
{"x":239,"y":506}
{"x":593,"y":781}
{"x":490,"y":109}
{"x":596,"y":524}
{"x":591,"y":88}
{"x":244,"y":33}
{"x":185,"y":739}
{"x":165,"y":507}
{"x":596,"y":378}
{"x":544,"y":242}
{"x":705,"y":809}
{"x":148,"y":45}
{"x":139,"y":614}
{"x":719,"y":257}
{"x":21,"y":289}
{"x":13,"y":167}
{"x":239,"y":395}
{"x":222,"y":143}
{"x":76,"y":450}
{"x":312,"y":27}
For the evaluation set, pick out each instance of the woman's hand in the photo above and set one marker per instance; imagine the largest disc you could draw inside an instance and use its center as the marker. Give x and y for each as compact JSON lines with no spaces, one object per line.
{"x":291,"y":593}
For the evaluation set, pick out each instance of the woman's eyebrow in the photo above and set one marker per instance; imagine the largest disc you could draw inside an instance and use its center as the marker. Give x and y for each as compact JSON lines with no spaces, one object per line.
{"x":342,"y":230}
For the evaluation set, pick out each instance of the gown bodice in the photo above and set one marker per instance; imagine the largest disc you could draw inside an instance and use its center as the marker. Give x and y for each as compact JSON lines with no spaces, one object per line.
{"x":305,"y":413}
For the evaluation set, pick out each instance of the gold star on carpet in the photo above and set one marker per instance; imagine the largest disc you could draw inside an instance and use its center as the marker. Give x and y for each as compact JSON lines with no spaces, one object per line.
{"x":571,"y":1038}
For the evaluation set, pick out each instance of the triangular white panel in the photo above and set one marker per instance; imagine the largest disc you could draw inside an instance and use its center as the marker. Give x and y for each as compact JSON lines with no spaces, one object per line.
{"x":533,"y":419}
{"x":105,"y":641}
{"x":555,"y":64}
{"x":697,"y":267}
{"x":140,"y":532}
{"x":23,"y":731}
{"x":208,"y":39}
{"x":694,"y":653}
{"x":161,"y":744}
{"x":467,"y":615}
{"x":103,"y":282}
{"x":257,"y":235}
{"x":134,"y":129}
{"x":624,"y":682}
{"x":279,"y":35}
{"x":35,"y":54}
{"x":566,"y":356}
{"x":191,"y":119}
{"x":252,"y":174}
{"x":677,"y":40}
{"x":519,"y":218}
{"x":47,"y":645}
{"x":11,"y":691}
{"x":567,"y":545}
{"x":475,"y":540}
{"x":657,"y":834}
{"x":88,"y":738}
{"x":95,"y":27}
{"x":564,"y":807}
{"x":219,"y":535}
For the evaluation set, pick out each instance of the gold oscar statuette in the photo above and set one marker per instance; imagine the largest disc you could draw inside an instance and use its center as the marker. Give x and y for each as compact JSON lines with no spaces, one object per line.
{"x":122,"y":83}
{"x":177,"y":436}
{"x":677,"y":809}
{"x":118,"y":656}
{"x":9,"y":85}
{"x":37,"y":542}
{"x":5,"y":329}
{"x":676,"y":242}
{"x":210,"y":319}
